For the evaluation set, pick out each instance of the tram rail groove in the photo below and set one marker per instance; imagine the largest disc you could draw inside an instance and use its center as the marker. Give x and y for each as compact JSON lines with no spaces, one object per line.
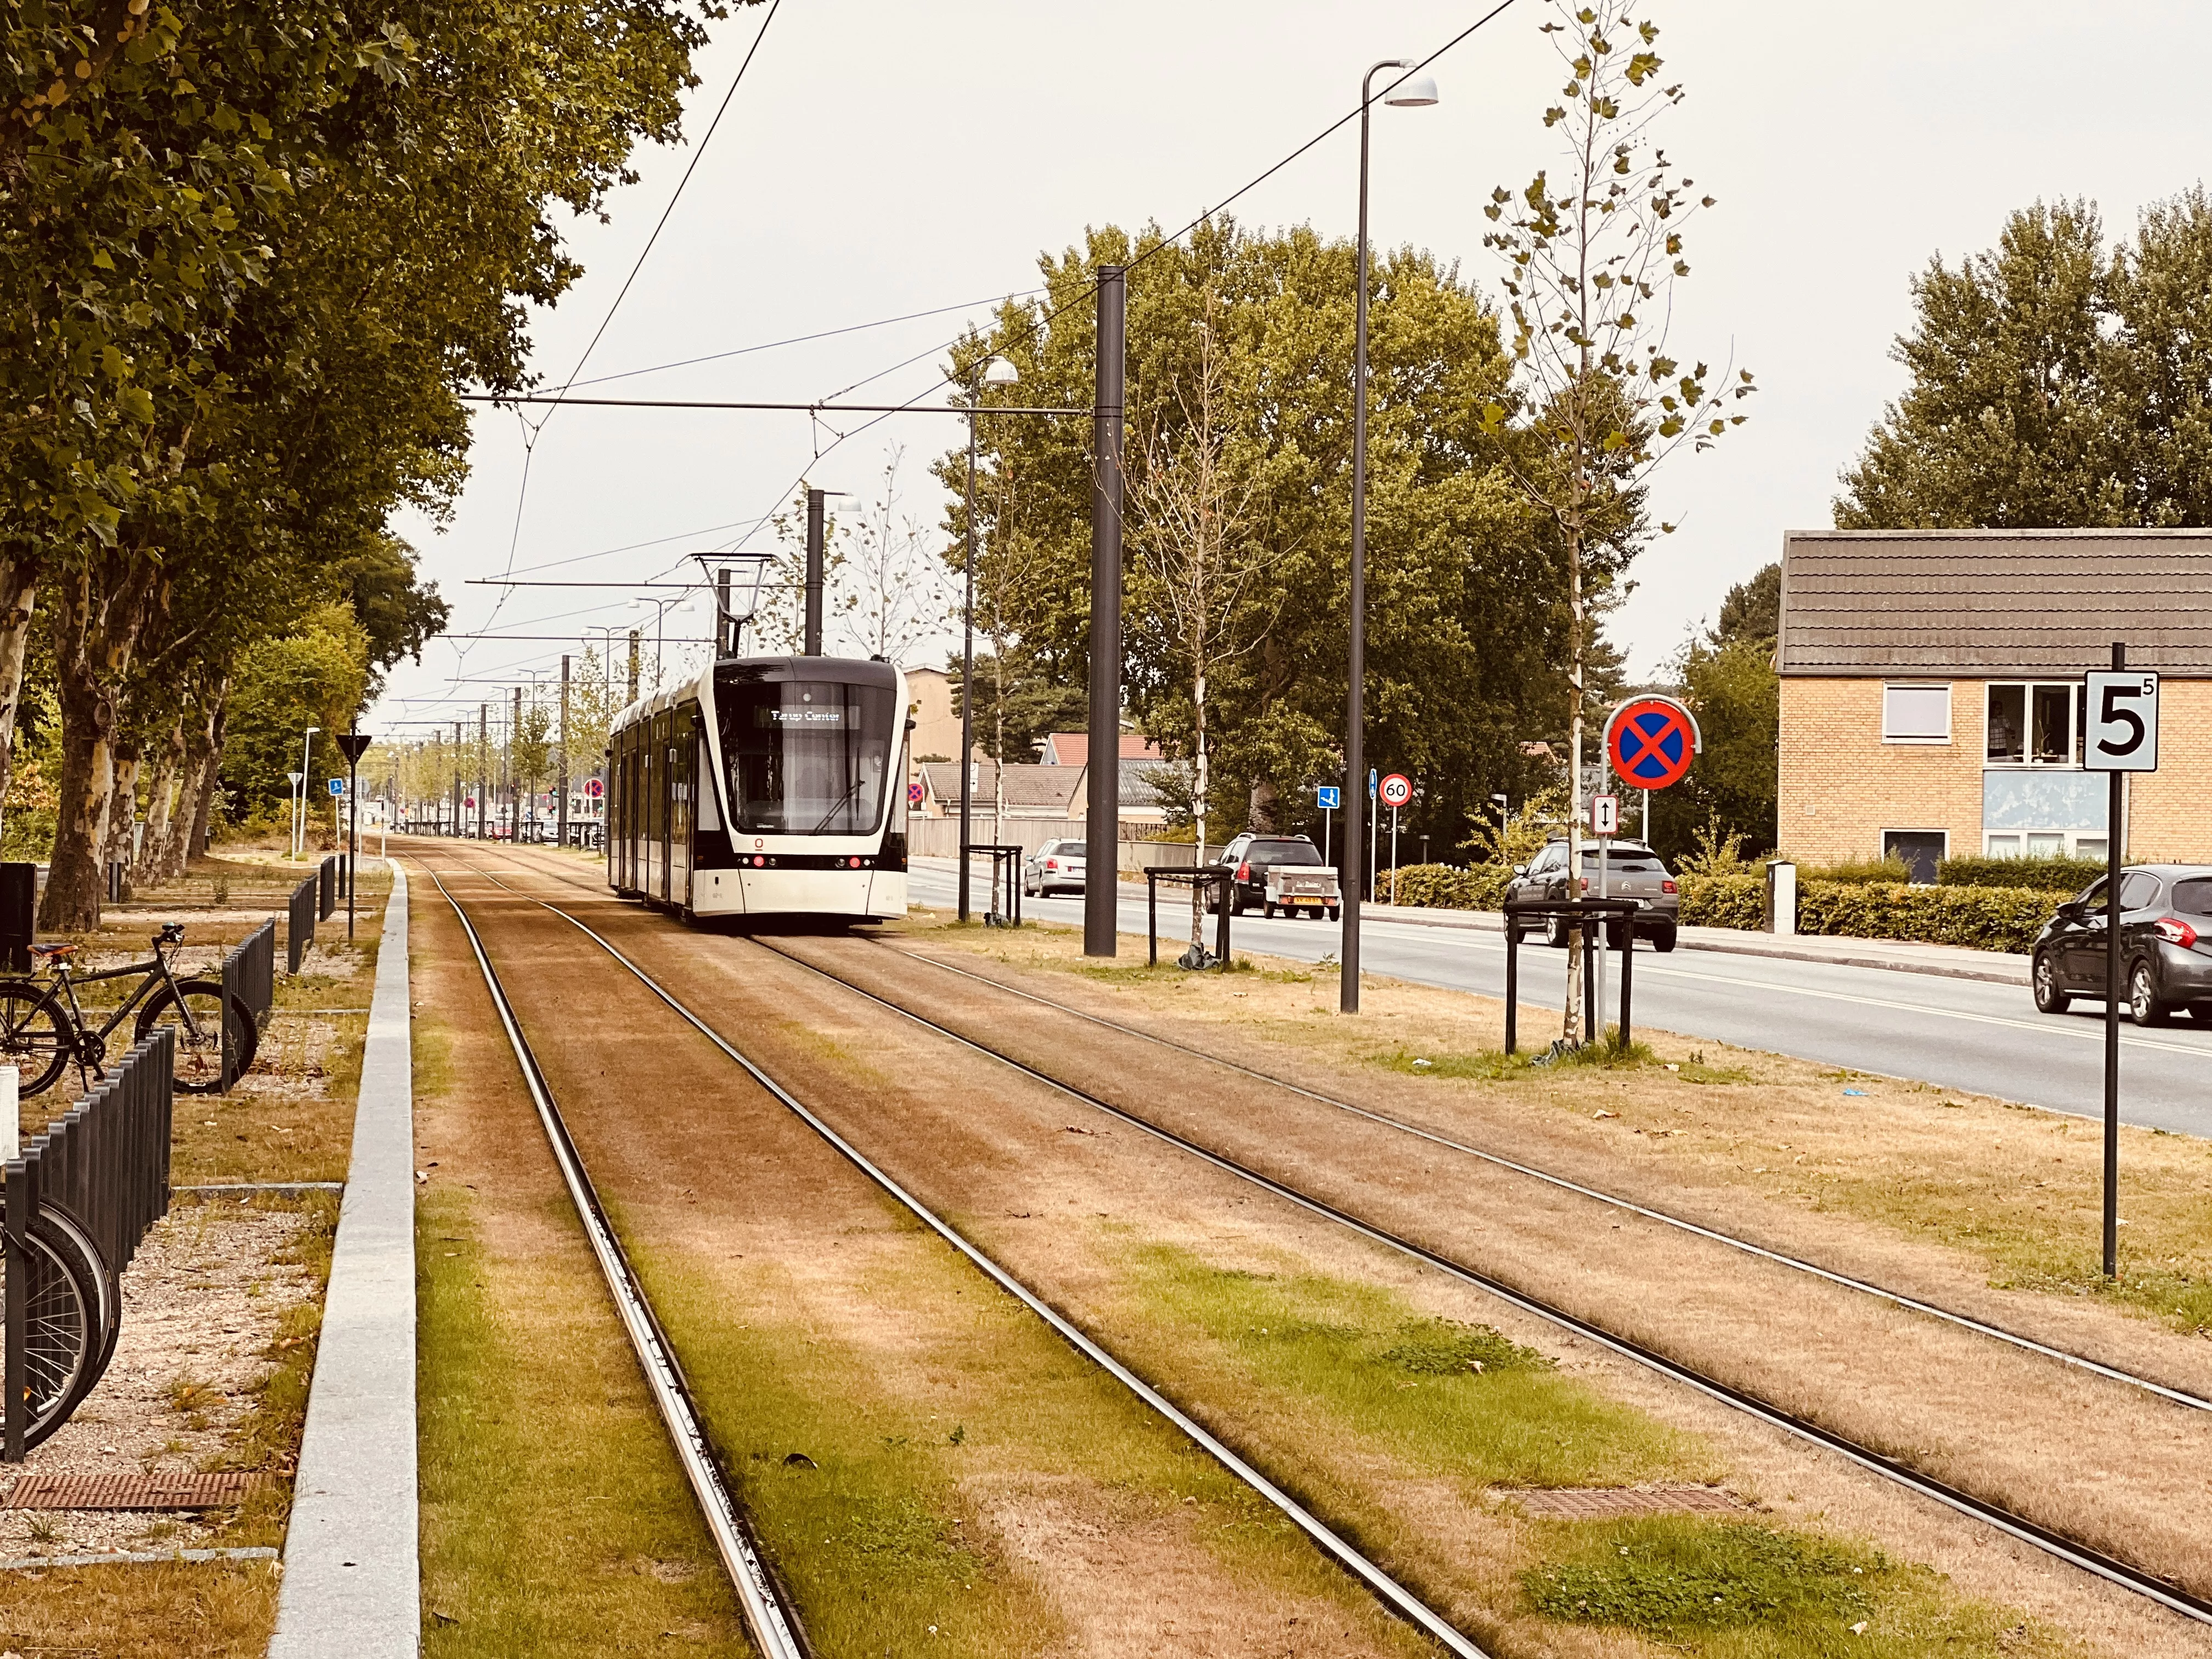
{"x":1598,"y":1194}
{"x":2085,"y":1557}
{"x":776,"y":1631}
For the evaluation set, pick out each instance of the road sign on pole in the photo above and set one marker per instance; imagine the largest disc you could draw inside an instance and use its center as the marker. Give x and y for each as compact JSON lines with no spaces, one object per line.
{"x":1328,"y":797}
{"x":337,"y":786}
{"x":2120,"y":737}
{"x":1605,"y":814}
{"x":1651,"y":741}
{"x":1397,"y":789}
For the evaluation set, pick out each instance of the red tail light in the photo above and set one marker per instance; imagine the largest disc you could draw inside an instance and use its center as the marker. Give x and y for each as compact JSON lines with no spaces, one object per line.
{"x":2177,"y":931}
{"x":1668,"y":887}
{"x":1244,"y":871}
{"x":1052,"y":864}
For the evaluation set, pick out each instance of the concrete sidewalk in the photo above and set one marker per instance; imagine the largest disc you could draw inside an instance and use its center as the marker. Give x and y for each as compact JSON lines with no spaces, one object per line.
{"x":352,"y":1590}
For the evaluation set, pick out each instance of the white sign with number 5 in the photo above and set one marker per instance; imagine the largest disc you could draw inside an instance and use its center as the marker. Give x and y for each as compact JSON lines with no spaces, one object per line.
{"x":2122,"y":735}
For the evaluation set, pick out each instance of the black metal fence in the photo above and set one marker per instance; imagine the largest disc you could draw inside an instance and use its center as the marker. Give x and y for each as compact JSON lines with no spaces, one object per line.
{"x":328,"y":887}
{"x":1592,"y":918}
{"x":1212,"y":879}
{"x":1006,"y":877}
{"x":249,"y":975}
{"x":300,"y":922}
{"x":78,"y":1201}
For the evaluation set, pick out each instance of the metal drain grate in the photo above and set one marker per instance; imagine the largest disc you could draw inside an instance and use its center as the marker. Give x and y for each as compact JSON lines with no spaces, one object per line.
{"x":129,"y":1491}
{"x":1609,"y":1503}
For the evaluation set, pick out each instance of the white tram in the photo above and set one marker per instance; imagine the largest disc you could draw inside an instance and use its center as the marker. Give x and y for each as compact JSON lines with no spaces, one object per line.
{"x":768,"y":786}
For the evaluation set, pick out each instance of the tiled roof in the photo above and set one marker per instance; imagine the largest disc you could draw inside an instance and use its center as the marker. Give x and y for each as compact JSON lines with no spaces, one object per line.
{"x":1073,"y":748}
{"x":1056,"y":787}
{"x":1992,"y":603}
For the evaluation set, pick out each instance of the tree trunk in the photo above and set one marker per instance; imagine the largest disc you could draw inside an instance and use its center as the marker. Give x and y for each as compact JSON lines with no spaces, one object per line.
{"x":152,"y":864}
{"x":18,"y":593}
{"x":96,"y":630}
{"x":123,"y":811}
{"x":209,"y":749}
{"x":1577,"y":636}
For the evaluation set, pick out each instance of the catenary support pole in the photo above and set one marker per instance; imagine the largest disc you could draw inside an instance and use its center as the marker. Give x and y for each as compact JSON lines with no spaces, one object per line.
{"x":512,"y":778}
{"x":2114,"y":801}
{"x":561,"y":809}
{"x":1101,"y":830}
{"x":814,"y":559}
{"x":634,"y":641}
{"x":968,"y":678}
{"x":484,"y":768}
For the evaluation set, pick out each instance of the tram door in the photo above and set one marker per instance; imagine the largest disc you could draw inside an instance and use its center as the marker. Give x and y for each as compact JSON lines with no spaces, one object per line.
{"x":682,"y":746}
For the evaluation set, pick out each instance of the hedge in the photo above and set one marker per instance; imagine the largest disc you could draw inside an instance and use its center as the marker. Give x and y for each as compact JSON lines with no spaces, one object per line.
{"x":1981,"y":918}
{"x":1724,"y":902}
{"x":2067,"y":876}
{"x":1442,"y":887}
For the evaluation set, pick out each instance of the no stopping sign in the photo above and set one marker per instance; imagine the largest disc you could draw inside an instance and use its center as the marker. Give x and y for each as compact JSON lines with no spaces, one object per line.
{"x":1651,"y":741}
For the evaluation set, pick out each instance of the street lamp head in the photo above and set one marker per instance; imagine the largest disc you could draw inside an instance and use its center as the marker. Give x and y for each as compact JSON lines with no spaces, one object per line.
{"x":1418,"y":93}
{"x":998,"y":372}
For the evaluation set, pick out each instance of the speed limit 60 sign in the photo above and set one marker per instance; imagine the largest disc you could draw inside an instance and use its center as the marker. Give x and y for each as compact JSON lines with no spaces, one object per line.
{"x":2122,"y":733}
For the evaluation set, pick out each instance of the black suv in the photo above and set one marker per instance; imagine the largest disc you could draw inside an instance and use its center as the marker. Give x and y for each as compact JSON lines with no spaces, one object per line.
{"x":2166,"y":945}
{"x":1631,"y":871}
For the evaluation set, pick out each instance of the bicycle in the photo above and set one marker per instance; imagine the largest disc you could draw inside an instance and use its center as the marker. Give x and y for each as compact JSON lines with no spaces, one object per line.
{"x":43,"y":1027}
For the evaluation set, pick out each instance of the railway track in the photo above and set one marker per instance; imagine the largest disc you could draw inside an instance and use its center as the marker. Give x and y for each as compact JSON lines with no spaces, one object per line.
{"x":2051,"y":1541}
{"x":773,"y":1625}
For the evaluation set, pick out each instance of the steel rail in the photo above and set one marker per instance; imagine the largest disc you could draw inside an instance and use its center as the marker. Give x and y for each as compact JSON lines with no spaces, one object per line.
{"x":775,"y":1634}
{"x":2086,"y":1556}
{"x":1780,"y":1258}
{"x":1394,"y":1595}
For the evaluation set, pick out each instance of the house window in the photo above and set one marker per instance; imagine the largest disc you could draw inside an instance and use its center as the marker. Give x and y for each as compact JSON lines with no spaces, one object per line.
{"x":2044,"y":843}
{"x":2034,"y":723}
{"x":1915,"y":713}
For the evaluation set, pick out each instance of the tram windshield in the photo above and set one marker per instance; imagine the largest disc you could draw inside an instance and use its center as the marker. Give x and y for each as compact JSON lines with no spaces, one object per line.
{"x":806,"y":757}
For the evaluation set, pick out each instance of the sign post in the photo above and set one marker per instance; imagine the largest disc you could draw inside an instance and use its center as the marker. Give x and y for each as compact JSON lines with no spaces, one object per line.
{"x":1329,"y":798}
{"x":1649,"y":743}
{"x":2121,"y":736}
{"x":353,"y":744}
{"x":1395,"y":792}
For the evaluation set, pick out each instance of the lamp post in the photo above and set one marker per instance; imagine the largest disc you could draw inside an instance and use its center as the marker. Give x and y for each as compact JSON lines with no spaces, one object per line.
{"x":995,"y":371}
{"x":1412,"y":91}
{"x":660,"y":618}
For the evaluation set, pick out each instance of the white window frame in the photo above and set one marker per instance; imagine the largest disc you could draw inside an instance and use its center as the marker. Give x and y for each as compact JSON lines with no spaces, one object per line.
{"x":2070,"y":842}
{"x":2027,"y":762}
{"x":1889,"y":686}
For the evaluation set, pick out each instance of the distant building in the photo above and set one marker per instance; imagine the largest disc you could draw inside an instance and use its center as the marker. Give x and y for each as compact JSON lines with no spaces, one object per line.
{"x":1040,"y":791}
{"x":1074,"y":749}
{"x":1931,"y":691}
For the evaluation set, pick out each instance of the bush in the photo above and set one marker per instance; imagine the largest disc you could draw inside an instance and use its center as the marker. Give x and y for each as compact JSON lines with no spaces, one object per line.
{"x":1889,"y":869}
{"x":1981,"y":918}
{"x":2049,"y":875}
{"x":1724,"y":902}
{"x":1445,"y":887}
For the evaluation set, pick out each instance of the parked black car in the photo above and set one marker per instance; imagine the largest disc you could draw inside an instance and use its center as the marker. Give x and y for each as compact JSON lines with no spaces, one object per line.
{"x":1632,"y":871}
{"x":2166,"y":945}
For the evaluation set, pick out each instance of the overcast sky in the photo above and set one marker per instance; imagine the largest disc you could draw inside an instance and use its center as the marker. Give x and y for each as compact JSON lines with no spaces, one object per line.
{"x":881,"y":159}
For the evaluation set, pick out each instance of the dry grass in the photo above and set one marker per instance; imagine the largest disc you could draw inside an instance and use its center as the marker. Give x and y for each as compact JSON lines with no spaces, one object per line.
{"x":2016,"y":1189}
{"x":208,"y":1610}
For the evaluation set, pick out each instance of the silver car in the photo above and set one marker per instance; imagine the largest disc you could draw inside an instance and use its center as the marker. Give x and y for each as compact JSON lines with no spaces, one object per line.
{"x":1055,"y":868}
{"x":1631,"y":871}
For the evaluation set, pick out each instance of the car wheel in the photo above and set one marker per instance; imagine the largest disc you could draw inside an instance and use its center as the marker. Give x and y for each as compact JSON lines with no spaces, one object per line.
{"x":2144,"y":1006}
{"x":1237,"y":904}
{"x":1555,"y":932}
{"x":1333,"y":912}
{"x":1663,"y":941}
{"x":2049,"y":998}
{"x":1268,"y":911}
{"x":1616,"y":935}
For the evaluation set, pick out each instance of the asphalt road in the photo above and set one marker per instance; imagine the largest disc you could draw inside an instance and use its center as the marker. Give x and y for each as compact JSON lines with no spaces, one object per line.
{"x":1955,"y":1033}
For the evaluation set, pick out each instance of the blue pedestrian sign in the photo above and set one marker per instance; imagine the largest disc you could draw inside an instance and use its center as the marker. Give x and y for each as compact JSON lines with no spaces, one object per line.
{"x":1328,"y":797}
{"x":337,"y":786}
{"x":1371,"y":783}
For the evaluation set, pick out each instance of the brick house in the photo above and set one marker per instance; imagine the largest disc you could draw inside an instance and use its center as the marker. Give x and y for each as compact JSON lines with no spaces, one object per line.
{"x":1931,"y":690}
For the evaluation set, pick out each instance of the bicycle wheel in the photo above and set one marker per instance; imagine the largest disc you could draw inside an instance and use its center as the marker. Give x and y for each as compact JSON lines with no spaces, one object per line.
{"x":34,"y":1035}
{"x":107,"y":1295}
{"x":199,"y":1045}
{"x":62,"y":1338}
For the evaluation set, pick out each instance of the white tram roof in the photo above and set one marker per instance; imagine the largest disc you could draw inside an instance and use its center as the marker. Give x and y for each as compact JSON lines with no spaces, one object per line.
{"x":701,"y":685}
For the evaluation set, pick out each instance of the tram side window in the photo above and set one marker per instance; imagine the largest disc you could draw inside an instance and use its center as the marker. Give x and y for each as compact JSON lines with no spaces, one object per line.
{"x":709,"y":814}
{"x":806,"y":757}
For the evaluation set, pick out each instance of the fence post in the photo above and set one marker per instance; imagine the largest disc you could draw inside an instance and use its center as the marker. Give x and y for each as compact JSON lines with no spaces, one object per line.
{"x":12,"y":1376}
{"x":1512,"y":982}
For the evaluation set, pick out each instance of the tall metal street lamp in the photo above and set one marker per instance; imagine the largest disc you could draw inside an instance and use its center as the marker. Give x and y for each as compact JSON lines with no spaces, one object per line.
{"x":1412,"y":92}
{"x":659,"y":629}
{"x":992,"y":370}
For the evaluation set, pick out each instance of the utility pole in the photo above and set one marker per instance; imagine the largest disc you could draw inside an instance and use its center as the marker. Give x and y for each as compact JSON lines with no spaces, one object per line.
{"x":814,"y":561}
{"x":1102,"y":885}
{"x":484,"y":767}
{"x":560,"y":812}
{"x":512,"y":778}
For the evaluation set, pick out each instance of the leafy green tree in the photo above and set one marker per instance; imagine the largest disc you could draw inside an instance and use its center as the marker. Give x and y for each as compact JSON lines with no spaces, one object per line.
{"x":1727,"y":677}
{"x":1464,"y":623}
{"x":1589,"y":260}
{"x":315,"y":677}
{"x":2056,"y":383}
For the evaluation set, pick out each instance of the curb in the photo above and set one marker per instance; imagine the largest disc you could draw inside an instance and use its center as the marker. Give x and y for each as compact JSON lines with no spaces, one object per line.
{"x":352,"y":1585}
